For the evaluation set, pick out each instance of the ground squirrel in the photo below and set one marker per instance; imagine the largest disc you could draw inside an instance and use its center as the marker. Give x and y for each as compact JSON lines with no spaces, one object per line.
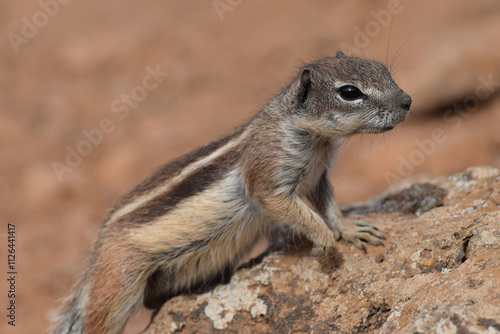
{"x":188,"y":224}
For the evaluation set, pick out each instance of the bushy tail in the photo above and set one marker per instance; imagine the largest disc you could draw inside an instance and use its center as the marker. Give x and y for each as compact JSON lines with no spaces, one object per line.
{"x":71,"y":320}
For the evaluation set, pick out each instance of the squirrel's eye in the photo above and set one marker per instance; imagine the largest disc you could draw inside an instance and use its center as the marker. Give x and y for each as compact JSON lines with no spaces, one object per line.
{"x":350,"y":92}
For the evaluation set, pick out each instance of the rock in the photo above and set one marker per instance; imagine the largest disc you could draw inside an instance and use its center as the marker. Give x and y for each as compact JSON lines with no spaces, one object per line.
{"x":439,"y":272}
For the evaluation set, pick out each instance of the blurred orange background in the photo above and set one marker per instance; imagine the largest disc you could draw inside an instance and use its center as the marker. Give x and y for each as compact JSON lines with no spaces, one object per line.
{"x":68,"y":68}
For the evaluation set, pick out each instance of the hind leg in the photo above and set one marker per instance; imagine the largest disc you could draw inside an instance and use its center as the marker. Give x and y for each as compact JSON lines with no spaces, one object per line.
{"x":116,"y":282}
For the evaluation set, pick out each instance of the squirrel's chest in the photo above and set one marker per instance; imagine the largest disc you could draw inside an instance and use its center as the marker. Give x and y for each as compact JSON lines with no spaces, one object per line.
{"x":315,"y":165}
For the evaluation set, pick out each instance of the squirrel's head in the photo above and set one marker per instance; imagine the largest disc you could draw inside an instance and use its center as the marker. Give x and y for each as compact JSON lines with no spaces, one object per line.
{"x":345,"y":95}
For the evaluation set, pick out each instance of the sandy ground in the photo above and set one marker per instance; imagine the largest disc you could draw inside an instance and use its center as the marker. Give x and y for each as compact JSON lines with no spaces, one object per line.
{"x":65,"y":69}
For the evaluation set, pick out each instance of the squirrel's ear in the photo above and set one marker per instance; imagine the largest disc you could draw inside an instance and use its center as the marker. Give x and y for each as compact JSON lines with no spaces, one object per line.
{"x":340,"y":54}
{"x":307,"y":82}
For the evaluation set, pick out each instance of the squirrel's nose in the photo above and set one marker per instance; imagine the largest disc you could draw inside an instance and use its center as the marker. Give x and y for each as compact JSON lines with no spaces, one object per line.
{"x":405,"y":101}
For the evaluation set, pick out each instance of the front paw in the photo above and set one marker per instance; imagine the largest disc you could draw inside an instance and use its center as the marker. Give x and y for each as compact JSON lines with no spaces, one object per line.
{"x":359,"y":232}
{"x":322,"y":243}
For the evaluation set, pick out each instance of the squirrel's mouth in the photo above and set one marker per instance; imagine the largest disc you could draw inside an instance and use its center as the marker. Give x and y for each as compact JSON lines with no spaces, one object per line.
{"x":386,"y":122}
{"x":387,"y":128}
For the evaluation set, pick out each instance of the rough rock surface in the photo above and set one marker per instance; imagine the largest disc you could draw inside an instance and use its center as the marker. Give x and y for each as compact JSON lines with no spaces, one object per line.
{"x":439,"y":272}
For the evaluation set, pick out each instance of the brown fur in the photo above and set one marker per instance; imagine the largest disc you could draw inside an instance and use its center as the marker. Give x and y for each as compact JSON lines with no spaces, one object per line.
{"x":187,"y":226}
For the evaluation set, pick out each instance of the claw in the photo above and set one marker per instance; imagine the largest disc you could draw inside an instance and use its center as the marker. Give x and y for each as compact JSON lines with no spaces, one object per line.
{"x":366,"y":225}
{"x":370,"y":231}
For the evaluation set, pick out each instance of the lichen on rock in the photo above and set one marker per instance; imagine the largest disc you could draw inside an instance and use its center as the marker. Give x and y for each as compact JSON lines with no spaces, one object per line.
{"x":225,"y":300}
